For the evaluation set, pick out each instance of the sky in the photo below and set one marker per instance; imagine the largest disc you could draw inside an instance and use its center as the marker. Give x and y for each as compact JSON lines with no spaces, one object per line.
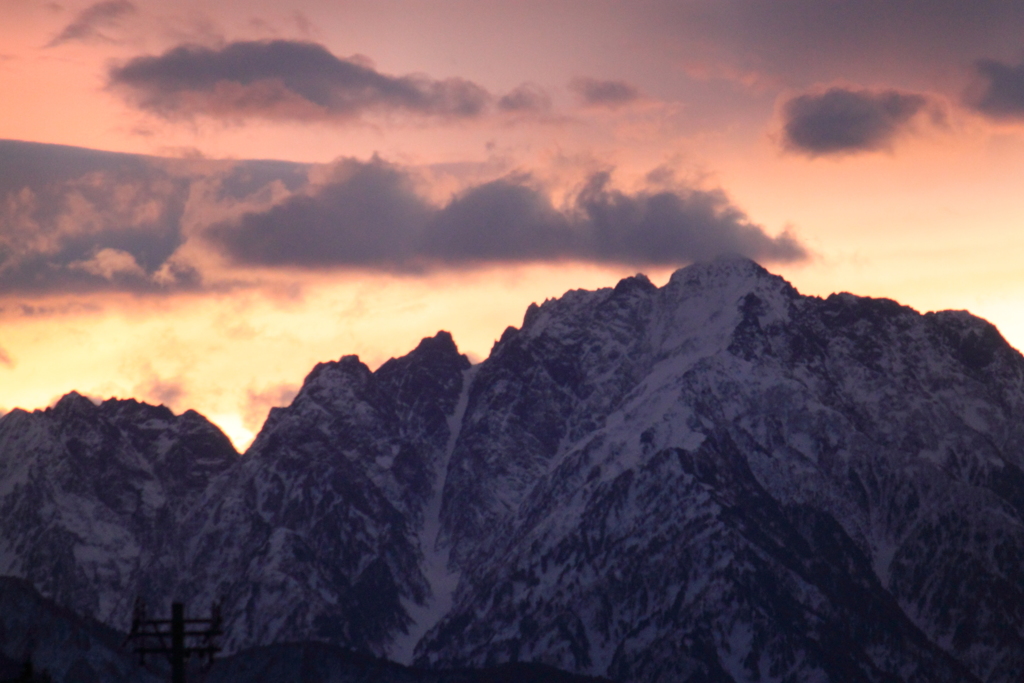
{"x":200,"y":201}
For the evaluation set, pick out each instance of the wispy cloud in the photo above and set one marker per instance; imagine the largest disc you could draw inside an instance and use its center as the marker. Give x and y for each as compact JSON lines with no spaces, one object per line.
{"x":526,"y":98}
{"x":161,"y":391}
{"x":88,"y":24}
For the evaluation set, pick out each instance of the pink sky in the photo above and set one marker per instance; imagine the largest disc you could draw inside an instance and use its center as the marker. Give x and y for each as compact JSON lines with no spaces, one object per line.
{"x":849,"y":146}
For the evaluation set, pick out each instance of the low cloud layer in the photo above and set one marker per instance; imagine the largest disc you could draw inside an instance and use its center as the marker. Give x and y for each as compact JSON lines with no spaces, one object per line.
{"x":369,"y":216}
{"x":78,"y":221}
{"x":597,"y":93}
{"x":283,"y":79}
{"x":1000,"y":91}
{"x":88,"y":25}
{"x":844,"y":121}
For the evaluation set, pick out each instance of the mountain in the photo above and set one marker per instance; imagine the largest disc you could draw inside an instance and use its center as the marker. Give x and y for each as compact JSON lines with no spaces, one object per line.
{"x":715,"y":480}
{"x":93,"y":498}
{"x":316,"y":533}
{"x":722,"y":479}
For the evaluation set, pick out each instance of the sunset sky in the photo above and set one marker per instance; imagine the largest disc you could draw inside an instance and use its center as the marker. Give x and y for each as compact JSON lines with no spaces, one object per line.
{"x":201,"y":200}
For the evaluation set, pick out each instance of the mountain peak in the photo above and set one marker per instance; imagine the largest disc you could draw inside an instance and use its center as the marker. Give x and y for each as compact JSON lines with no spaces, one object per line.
{"x":638,"y":282}
{"x":441,"y":344}
{"x":725,"y":268}
{"x":73,"y":403}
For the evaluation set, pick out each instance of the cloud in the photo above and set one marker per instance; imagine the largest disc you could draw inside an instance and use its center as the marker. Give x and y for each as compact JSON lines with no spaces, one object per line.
{"x":369,"y":216}
{"x":526,"y":98}
{"x":75,"y":221}
{"x":597,"y":93}
{"x":510,"y":219}
{"x":1000,"y":90}
{"x":110,"y":264}
{"x":843,"y":121}
{"x":673,"y":226}
{"x":86,"y":26}
{"x":283,"y":79}
{"x":26,"y":310}
{"x":5,"y":358}
{"x":366,"y":214}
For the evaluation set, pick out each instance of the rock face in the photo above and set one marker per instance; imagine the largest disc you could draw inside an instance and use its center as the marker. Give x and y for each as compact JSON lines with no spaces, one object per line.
{"x":315,"y":535}
{"x":715,"y":480}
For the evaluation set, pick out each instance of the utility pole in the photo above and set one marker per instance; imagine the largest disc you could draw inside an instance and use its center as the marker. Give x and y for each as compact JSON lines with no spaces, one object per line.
{"x":177,"y":642}
{"x":177,"y":637}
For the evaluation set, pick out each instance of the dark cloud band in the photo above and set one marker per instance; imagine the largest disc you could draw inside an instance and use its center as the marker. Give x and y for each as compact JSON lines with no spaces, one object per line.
{"x":369,"y":216}
{"x":78,"y":221}
{"x":843,"y":121}
{"x":284,"y":79}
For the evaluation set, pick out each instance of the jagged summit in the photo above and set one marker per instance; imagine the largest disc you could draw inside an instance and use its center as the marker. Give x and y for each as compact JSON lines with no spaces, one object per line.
{"x":73,"y":402}
{"x":719,"y":479}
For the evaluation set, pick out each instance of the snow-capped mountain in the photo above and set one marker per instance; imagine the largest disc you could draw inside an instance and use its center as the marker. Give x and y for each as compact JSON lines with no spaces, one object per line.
{"x":715,"y":480}
{"x":724,"y":479}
